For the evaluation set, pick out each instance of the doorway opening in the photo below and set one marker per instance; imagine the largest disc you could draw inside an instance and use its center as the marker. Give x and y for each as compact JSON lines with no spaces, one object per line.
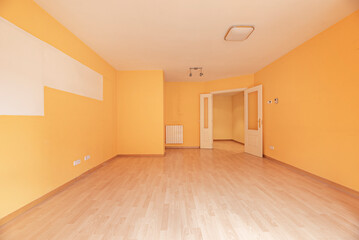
{"x":232,"y":116}
{"x":228,"y":120}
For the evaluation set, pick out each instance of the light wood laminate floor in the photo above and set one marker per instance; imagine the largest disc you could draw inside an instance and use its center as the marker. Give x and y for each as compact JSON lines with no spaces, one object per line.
{"x":192,"y":194}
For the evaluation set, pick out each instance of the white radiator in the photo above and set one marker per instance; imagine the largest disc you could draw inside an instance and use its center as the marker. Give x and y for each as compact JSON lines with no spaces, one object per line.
{"x":174,"y":134}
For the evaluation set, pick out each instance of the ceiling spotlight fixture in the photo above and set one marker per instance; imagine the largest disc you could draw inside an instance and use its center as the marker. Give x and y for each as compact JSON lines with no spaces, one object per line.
{"x":238,"y":33}
{"x":195,"y":69}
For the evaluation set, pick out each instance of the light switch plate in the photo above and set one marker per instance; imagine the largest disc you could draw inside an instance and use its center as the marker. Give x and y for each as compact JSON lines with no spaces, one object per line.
{"x":77,"y":162}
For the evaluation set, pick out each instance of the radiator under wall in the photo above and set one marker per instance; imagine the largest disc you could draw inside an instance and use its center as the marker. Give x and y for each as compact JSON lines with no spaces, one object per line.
{"x":174,"y":134}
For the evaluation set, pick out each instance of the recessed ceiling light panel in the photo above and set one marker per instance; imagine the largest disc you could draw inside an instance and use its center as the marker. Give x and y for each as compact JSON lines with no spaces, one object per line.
{"x":238,"y":33}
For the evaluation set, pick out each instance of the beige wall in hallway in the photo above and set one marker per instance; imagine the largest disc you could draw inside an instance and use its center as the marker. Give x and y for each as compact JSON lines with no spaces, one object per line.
{"x":222,"y":117}
{"x":238,"y":117}
{"x":228,"y":117}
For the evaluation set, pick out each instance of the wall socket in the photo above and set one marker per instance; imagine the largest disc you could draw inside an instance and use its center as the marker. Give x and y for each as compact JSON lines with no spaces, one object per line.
{"x":87,"y":157}
{"x":77,"y":162}
{"x":271,"y":147}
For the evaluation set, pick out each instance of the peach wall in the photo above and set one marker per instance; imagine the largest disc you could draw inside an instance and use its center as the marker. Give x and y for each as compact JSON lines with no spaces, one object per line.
{"x":243,"y":81}
{"x":182,"y":107}
{"x":37,"y":153}
{"x":140,"y":112}
{"x":315,"y":125}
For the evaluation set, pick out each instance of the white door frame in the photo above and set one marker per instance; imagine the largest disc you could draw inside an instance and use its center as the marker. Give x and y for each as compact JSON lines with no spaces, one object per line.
{"x":229,"y":91}
{"x":209,"y":143}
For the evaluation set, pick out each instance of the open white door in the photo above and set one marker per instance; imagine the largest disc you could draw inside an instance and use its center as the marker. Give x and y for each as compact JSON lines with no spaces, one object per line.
{"x":253,"y":129}
{"x":206,"y":121}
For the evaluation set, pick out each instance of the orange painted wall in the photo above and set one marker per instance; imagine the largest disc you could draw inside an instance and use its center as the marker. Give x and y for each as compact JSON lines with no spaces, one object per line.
{"x":222,"y":117}
{"x":182,"y":107}
{"x":37,"y":153}
{"x":315,"y":125}
{"x":182,"y":103}
{"x":229,"y":83}
{"x":140,"y":109}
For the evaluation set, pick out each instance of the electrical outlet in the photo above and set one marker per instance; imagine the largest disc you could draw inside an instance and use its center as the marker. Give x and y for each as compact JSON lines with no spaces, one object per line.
{"x":87,"y":157}
{"x":77,"y":162}
{"x":271,"y":147}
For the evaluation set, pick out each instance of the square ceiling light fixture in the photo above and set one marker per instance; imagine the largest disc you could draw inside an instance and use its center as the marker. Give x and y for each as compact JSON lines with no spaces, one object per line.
{"x":238,"y":33}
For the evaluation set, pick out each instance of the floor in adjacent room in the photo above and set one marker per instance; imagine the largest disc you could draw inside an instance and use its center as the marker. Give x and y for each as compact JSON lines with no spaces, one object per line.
{"x":216,"y":194}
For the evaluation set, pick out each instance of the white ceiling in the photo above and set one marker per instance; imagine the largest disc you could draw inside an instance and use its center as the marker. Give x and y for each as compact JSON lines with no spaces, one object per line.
{"x":174,"y":35}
